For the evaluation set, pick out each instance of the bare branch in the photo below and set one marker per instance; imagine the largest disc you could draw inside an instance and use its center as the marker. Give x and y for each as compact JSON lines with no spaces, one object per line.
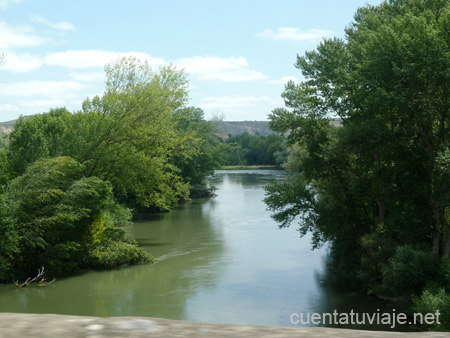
{"x":30,"y":280}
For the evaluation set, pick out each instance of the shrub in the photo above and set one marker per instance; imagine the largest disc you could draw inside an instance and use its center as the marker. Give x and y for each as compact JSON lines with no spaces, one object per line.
{"x":409,"y":271}
{"x":430,"y":302}
{"x":63,"y":258}
{"x":115,"y":254}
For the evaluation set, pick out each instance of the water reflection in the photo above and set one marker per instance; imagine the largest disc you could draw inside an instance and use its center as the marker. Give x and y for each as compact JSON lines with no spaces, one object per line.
{"x":189,"y":249}
{"x":222,"y":260}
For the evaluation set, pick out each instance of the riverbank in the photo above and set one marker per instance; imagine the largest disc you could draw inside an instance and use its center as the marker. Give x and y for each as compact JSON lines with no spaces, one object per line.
{"x":248,"y":167}
{"x":47,"y":325}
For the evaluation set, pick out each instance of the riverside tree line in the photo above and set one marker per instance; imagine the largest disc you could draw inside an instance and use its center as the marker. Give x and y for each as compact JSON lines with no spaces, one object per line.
{"x":377,"y":188}
{"x":69,"y":179}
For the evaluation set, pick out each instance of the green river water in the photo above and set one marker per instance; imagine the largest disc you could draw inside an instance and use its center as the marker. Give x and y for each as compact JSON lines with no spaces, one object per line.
{"x":221,"y":260}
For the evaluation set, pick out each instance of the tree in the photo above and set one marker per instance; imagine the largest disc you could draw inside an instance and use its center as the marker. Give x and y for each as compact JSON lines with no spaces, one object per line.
{"x":246,"y":149}
{"x":207,"y":157}
{"x":138,"y":133}
{"x":54,"y":216}
{"x":381,"y":180}
{"x":127,"y":137}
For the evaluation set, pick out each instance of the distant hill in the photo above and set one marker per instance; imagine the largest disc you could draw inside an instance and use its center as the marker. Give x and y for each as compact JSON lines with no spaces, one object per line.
{"x":254,"y":127}
{"x":6,"y":127}
{"x":240,"y":127}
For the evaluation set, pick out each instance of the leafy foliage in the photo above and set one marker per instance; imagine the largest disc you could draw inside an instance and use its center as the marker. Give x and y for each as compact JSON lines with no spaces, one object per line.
{"x":205,"y":158}
{"x":432,"y":301}
{"x":52,"y":216}
{"x":70,"y":178}
{"x":378,"y":186}
{"x":138,"y":136}
{"x":246,"y":149}
{"x":410,"y":270}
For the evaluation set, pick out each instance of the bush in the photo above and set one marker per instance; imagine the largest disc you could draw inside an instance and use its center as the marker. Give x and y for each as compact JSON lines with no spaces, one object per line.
{"x":432,"y":301}
{"x":115,"y":254}
{"x":53,"y":216}
{"x":410,"y":270}
{"x":63,"y":258}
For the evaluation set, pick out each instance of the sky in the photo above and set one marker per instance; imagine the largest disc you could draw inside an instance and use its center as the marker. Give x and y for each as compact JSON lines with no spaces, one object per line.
{"x":238,"y":54}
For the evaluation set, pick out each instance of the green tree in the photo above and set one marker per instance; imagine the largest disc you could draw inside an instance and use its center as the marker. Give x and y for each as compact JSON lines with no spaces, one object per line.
{"x":3,"y":160}
{"x":127,"y":137}
{"x":246,"y":149}
{"x":53,"y":216}
{"x":380,"y":180}
{"x":207,"y":157}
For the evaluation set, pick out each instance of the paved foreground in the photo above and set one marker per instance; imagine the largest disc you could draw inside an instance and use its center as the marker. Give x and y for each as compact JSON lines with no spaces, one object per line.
{"x":34,"y":325}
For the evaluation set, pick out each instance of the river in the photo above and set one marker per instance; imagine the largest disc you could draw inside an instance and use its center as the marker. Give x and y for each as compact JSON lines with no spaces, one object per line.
{"x":221,"y":260}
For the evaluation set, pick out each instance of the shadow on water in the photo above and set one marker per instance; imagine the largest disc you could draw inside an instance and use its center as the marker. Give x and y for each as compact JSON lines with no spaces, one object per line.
{"x":188,"y":249}
{"x":341,"y":300}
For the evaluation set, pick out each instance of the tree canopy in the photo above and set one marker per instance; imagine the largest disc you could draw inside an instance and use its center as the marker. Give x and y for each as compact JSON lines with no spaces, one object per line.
{"x":246,"y":149}
{"x":128,"y":136}
{"x":379,"y":182}
{"x":69,"y":178}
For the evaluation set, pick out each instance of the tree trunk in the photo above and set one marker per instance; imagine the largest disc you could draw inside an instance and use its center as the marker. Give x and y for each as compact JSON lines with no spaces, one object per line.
{"x":446,"y":252}
{"x":437,"y":230}
{"x":381,"y":211}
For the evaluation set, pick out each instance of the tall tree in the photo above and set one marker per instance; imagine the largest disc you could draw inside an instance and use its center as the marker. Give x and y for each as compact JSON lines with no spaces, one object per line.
{"x":127,"y":137}
{"x":207,"y":157}
{"x":381,"y":179}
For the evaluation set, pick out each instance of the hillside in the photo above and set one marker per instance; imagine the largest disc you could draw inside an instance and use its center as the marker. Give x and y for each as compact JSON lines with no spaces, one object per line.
{"x":239,"y":127}
{"x":254,"y":127}
{"x":6,"y":127}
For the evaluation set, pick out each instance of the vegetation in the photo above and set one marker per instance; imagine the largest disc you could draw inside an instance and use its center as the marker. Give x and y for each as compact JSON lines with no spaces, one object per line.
{"x":209,"y":155}
{"x":245,"y":149}
{"x":69,"y":179}
{"x":376,"y":188}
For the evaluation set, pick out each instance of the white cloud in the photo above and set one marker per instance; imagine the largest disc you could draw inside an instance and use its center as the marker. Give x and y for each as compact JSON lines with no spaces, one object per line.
{"x":230,"y":102}
{"x":5,"y":3}
{"x":87,"y":76}
{"x":39,"y":96}
{"x":231,"y":69}
{"x":295,"y":34}
{"x":284,"y":80}
{"x":78,"y":59}
{"x":8,"y":107}
{"x":65,"y":26}
{"x":21,"y":63}
{"x":19,"y":37}
{"x":43,"y":105}
{"x":47,"y":89}
{"x":207,"y":64}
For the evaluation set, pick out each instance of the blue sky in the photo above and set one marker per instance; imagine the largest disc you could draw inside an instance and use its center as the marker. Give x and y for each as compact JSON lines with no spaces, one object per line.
{"x":238,"y":54}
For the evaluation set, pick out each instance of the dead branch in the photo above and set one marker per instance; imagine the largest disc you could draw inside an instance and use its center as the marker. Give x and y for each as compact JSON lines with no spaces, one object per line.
{"x":30,"y":280}
{"x":41,"y":283}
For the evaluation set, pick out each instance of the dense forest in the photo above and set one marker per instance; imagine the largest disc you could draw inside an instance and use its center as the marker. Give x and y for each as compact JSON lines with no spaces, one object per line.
{"x":246,"y":149}
{"x":69,"y":180}
{"x":377,"y":188}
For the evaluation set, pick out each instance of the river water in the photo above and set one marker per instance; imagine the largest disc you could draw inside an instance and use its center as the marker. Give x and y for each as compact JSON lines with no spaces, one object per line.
{"x":221,"y":260}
